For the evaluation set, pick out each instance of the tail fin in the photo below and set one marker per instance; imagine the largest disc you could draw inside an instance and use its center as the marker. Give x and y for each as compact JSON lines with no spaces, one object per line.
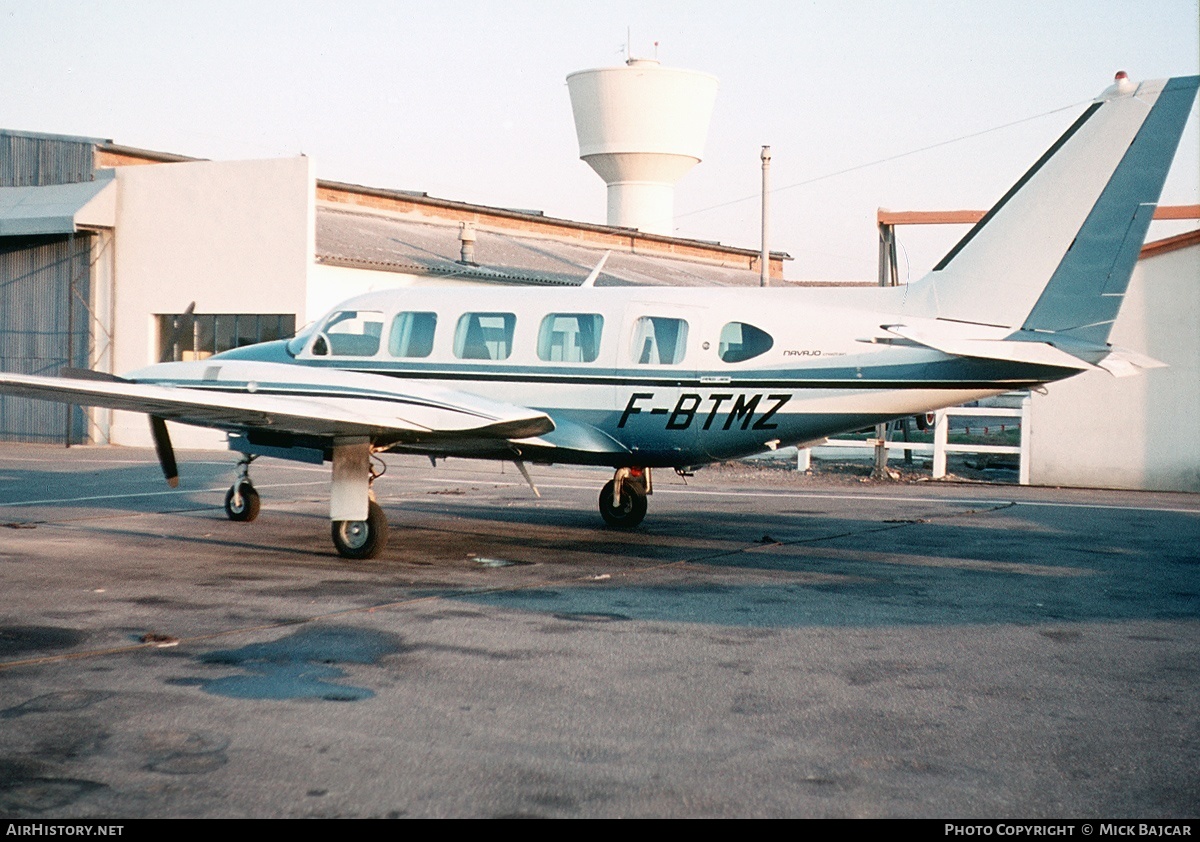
{"x":1054,"y":256}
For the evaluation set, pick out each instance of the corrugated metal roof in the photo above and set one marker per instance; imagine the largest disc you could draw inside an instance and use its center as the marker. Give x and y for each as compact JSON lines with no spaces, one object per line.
{"x":536,"y":216}
{"x":375,"y":241}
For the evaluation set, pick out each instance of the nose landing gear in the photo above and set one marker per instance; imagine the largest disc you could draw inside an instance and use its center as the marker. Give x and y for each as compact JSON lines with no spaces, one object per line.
{"x":241,"y":500}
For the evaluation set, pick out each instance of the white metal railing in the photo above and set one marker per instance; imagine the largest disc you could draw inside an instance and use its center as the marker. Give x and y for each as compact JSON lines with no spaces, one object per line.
{"x":941,"y":445}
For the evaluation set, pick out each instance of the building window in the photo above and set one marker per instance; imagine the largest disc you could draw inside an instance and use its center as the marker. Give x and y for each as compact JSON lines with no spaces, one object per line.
{"x":197,"y":336}
{"x":570,"y":337}
{"x":412,"y":334}
{"x":484,"y":336}
{"x":659,"y":341}
{"x":740,"y":342}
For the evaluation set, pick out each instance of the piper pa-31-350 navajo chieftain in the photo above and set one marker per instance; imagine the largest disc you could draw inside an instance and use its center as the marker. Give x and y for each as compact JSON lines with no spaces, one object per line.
{"x":642,"y":378}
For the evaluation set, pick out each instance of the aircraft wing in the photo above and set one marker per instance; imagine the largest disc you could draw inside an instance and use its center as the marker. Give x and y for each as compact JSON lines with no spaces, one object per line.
{"x":570,"y":436}
{"x":245,"y":396}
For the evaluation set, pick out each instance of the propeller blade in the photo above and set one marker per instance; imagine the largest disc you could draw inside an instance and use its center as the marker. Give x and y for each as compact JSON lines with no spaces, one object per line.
{"x":166,"y":453}
{"x":186,"y":318}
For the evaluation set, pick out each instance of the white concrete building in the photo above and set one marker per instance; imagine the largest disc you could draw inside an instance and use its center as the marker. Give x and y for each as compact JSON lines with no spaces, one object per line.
{"x":1100,"y":431}
{"x":235,"y":237}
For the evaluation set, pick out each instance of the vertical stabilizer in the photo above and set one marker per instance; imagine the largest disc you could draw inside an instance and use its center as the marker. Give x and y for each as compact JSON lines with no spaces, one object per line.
{"x":1056,"y":252}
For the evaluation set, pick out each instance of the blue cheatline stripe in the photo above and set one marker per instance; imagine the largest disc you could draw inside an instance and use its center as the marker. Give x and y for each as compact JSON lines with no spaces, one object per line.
{"x":949,"y":373}
{"x":779,"y":381}
{"x":690,"y":383}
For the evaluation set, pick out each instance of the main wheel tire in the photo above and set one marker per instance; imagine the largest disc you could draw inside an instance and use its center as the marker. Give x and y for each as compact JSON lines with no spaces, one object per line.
{"x":629,"y":513}
{"x":361,"y":538}
{"x":250,"y":504}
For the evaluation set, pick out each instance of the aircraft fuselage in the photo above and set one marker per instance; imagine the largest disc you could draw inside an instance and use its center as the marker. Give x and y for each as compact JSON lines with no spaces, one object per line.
{"x":658,"y":378}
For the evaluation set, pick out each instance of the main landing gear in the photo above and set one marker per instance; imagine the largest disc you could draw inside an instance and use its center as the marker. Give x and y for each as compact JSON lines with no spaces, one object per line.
{"x":351,"y":497}
{"x":361,"y":538}
{"x":354,"y":536}
{"x":623,"y":498}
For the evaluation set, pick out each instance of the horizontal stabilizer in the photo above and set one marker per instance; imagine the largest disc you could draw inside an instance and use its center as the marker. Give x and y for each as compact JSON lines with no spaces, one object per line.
{"x":1122,"y":362}
{"x":1016,"y":351}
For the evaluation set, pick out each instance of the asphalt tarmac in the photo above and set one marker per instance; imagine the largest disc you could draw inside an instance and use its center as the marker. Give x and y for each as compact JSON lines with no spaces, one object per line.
{"x":764,"y":645}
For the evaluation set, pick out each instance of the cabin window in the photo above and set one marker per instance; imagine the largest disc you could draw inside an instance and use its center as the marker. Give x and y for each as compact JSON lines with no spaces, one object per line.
{"x":350,"y":333}
{"x":484,"y":336}
{"x":570,"y":337}
{"x":412,"y":334}
{"x":659,"y":341}
{"x":197,"y":336}
{"x":740,"y":341}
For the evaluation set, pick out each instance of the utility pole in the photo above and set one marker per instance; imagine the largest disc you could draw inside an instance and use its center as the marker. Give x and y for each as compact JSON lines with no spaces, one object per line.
{"x":887,"y":278}
{"x":765,"y":260}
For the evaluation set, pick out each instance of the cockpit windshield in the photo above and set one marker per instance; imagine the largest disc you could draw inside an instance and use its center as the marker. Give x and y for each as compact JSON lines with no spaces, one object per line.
{"x":296,"y":344}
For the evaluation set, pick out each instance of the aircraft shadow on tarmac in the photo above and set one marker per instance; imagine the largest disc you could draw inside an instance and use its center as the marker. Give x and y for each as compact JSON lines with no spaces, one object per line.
{"x":826,"y":570}
{"x":810,"y":566}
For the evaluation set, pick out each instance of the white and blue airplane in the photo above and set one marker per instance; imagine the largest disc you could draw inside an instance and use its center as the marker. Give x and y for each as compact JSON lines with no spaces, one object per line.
{"x":642,"y":378}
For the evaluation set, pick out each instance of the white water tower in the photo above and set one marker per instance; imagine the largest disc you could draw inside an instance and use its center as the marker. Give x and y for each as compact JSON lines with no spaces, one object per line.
{"x":641,"y":127}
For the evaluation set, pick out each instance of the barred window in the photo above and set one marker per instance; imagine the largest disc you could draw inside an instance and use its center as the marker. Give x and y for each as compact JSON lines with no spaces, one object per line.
{"x":184,"y":337}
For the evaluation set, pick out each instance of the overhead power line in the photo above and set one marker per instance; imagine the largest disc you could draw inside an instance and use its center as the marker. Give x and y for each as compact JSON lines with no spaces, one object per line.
{"x":875,"y":163}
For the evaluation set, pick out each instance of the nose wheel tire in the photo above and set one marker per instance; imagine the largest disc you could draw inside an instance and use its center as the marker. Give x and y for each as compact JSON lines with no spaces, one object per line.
{"x":359,"y":539}
{"x":241,"y":502}
{"x":626,"y":515}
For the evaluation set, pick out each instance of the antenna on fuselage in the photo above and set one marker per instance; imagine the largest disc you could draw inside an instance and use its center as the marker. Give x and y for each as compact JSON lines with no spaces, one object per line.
{"x":590,"y":280}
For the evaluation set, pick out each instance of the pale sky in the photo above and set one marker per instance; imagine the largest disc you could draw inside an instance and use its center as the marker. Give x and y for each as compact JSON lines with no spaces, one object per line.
{"x":468,"y":100}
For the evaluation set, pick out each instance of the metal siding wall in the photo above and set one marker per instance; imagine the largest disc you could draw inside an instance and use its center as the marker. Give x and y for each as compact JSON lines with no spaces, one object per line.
{"x":35,"y":275}
{"x":34,"y":161}
{"x":37,"y":330}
